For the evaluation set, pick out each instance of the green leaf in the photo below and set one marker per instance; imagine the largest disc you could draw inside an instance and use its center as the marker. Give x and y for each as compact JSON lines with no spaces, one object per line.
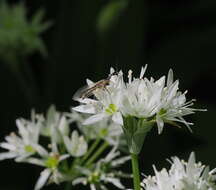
{"x":109,"y":15}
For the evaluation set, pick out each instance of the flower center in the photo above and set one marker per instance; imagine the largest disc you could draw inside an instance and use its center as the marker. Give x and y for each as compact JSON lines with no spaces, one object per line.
{"x":94,"y":177}
{"x":52,"y":162}
{"x":29,"y":149}
{"x":112,"y":108}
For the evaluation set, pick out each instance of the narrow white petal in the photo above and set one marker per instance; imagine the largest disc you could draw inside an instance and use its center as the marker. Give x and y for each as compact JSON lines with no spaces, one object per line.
{"x":92,"y":186}
{"x":35,"y":161}
{"x":8,"y":146}
{"x":79,"y":180}
{"x":117,"y":118}
{"x":42,"y":179}
{"x":89,"y":108}
{"x":115,"y":181}
{"x":94,"y":119}
{"x":160,"y":124}
{"x":89,"y":82}
{"x":143,"y":70}
{"x":40,"y":150}
{"x":170,"y":78}
{"x":7,"y":155}
{"x":112,"y":70}
{"x":67,"y":143}
{"x":63,"y":157}
{"x":87,"y":101}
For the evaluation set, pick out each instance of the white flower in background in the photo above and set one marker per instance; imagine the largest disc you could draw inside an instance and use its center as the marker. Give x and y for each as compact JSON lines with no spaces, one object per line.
{"x":105,"y":171}
{"x":55,"y":125}
{"x":25,"y":144}
{"x":158,"y":101}
{"x":76,"y":146}
{"x":51,"y":161}
{"x":182,"y":176}
{"x":105,"y":129}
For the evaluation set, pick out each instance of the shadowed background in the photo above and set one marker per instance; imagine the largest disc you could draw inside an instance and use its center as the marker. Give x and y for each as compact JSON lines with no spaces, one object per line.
{"x":86,"y":38}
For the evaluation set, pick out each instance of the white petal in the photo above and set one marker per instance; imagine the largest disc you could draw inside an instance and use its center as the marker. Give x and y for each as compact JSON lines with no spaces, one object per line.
{"x":79,"y":180}
{"x":117,"y":118}
{"x":170,"y":78}
{"x":40,"y":150}
{"x":160,"y":124}
{"x":87,"y":101}
{"x":8,"y":146}
{"x":89,"y":82}
{"x":94,"y":119}
{"x":35,"y":161}
{"x":64,"y":126}
{"x":112,"y":70}
{"x":67,"y":143}
{"x":82,"y":147}
{"x":64,"y":157}
{"x":42,"y":179}
{"x":85,"y":109}
{"x":115,"y":181}
{"x":143,"y":70}
{"x":92,"y":186}
{"x":7,"y":155}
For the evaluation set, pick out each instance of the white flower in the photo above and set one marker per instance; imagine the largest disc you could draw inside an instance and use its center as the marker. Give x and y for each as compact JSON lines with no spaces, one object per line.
{"x":182,"y":176}
{"x":75,"y":145}
{"x":26,"y":144}
{"x":157,"y":101}
{"x":55,"y":125}
{"x":107,"y":101}
{"x":105,"y":129}
{"x":104,"y":172}
{"x":51,"y":161}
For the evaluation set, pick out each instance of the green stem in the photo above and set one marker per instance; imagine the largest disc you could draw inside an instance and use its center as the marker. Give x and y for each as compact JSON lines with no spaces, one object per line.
{"x":91,"y":149}
{"x":98,"y":153}
{"x":136,"y":174}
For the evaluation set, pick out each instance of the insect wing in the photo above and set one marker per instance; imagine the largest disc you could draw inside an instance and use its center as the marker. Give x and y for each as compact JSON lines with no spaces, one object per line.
{"x":80,"y":92}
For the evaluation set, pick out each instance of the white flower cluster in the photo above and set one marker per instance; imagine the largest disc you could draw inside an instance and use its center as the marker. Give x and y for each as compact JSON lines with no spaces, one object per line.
{"x":63,"y":153}
{"x":158,"y":101}
{"x":182,"y":176}
{"x":106,"y":171}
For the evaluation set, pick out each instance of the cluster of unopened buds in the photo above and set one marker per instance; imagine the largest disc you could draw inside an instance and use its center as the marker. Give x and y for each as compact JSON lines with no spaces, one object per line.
{"x":113,"y":114}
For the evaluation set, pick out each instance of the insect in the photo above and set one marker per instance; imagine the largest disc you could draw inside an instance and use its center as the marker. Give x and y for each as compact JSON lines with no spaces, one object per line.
{"x":86,"y":92}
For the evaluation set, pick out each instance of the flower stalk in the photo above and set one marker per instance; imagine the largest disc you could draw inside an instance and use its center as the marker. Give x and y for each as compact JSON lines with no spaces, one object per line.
{"x":136,"y":173}
{"x":97,"y":154}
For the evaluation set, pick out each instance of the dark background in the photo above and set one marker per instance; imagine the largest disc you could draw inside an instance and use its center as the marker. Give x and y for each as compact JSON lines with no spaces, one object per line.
{"x":87,"y":37}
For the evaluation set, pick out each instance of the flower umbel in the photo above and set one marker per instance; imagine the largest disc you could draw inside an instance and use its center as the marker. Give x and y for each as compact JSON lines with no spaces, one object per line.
{"x":182,"y":176}
{"x":148,"y":100}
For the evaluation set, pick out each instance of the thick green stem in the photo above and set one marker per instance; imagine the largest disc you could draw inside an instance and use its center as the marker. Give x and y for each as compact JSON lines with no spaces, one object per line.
{"x":98,"y":153}
{"x":91,"y":149}
{"x":136,"y":174}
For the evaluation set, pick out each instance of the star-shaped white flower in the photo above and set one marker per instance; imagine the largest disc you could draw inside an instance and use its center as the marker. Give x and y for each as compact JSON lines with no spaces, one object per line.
{"x":25,"y":144}
{"x":182,"y":176}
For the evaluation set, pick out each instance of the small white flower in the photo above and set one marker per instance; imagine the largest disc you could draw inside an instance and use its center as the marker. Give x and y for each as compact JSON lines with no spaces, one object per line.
{"x":107,"y":101}
{"x":76,"y":146}
{"x":105,"y":129}
{"x":105,"y":171}
{"x":26,"y":144}
{"x":55,"y":125}
{"x":49,"y":160}
{"x":181,"y":176}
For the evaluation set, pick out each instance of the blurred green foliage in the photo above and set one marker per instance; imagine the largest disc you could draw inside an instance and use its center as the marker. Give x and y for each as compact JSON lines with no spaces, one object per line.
{"x":19,"y":36}
{"x":109,"y":14}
